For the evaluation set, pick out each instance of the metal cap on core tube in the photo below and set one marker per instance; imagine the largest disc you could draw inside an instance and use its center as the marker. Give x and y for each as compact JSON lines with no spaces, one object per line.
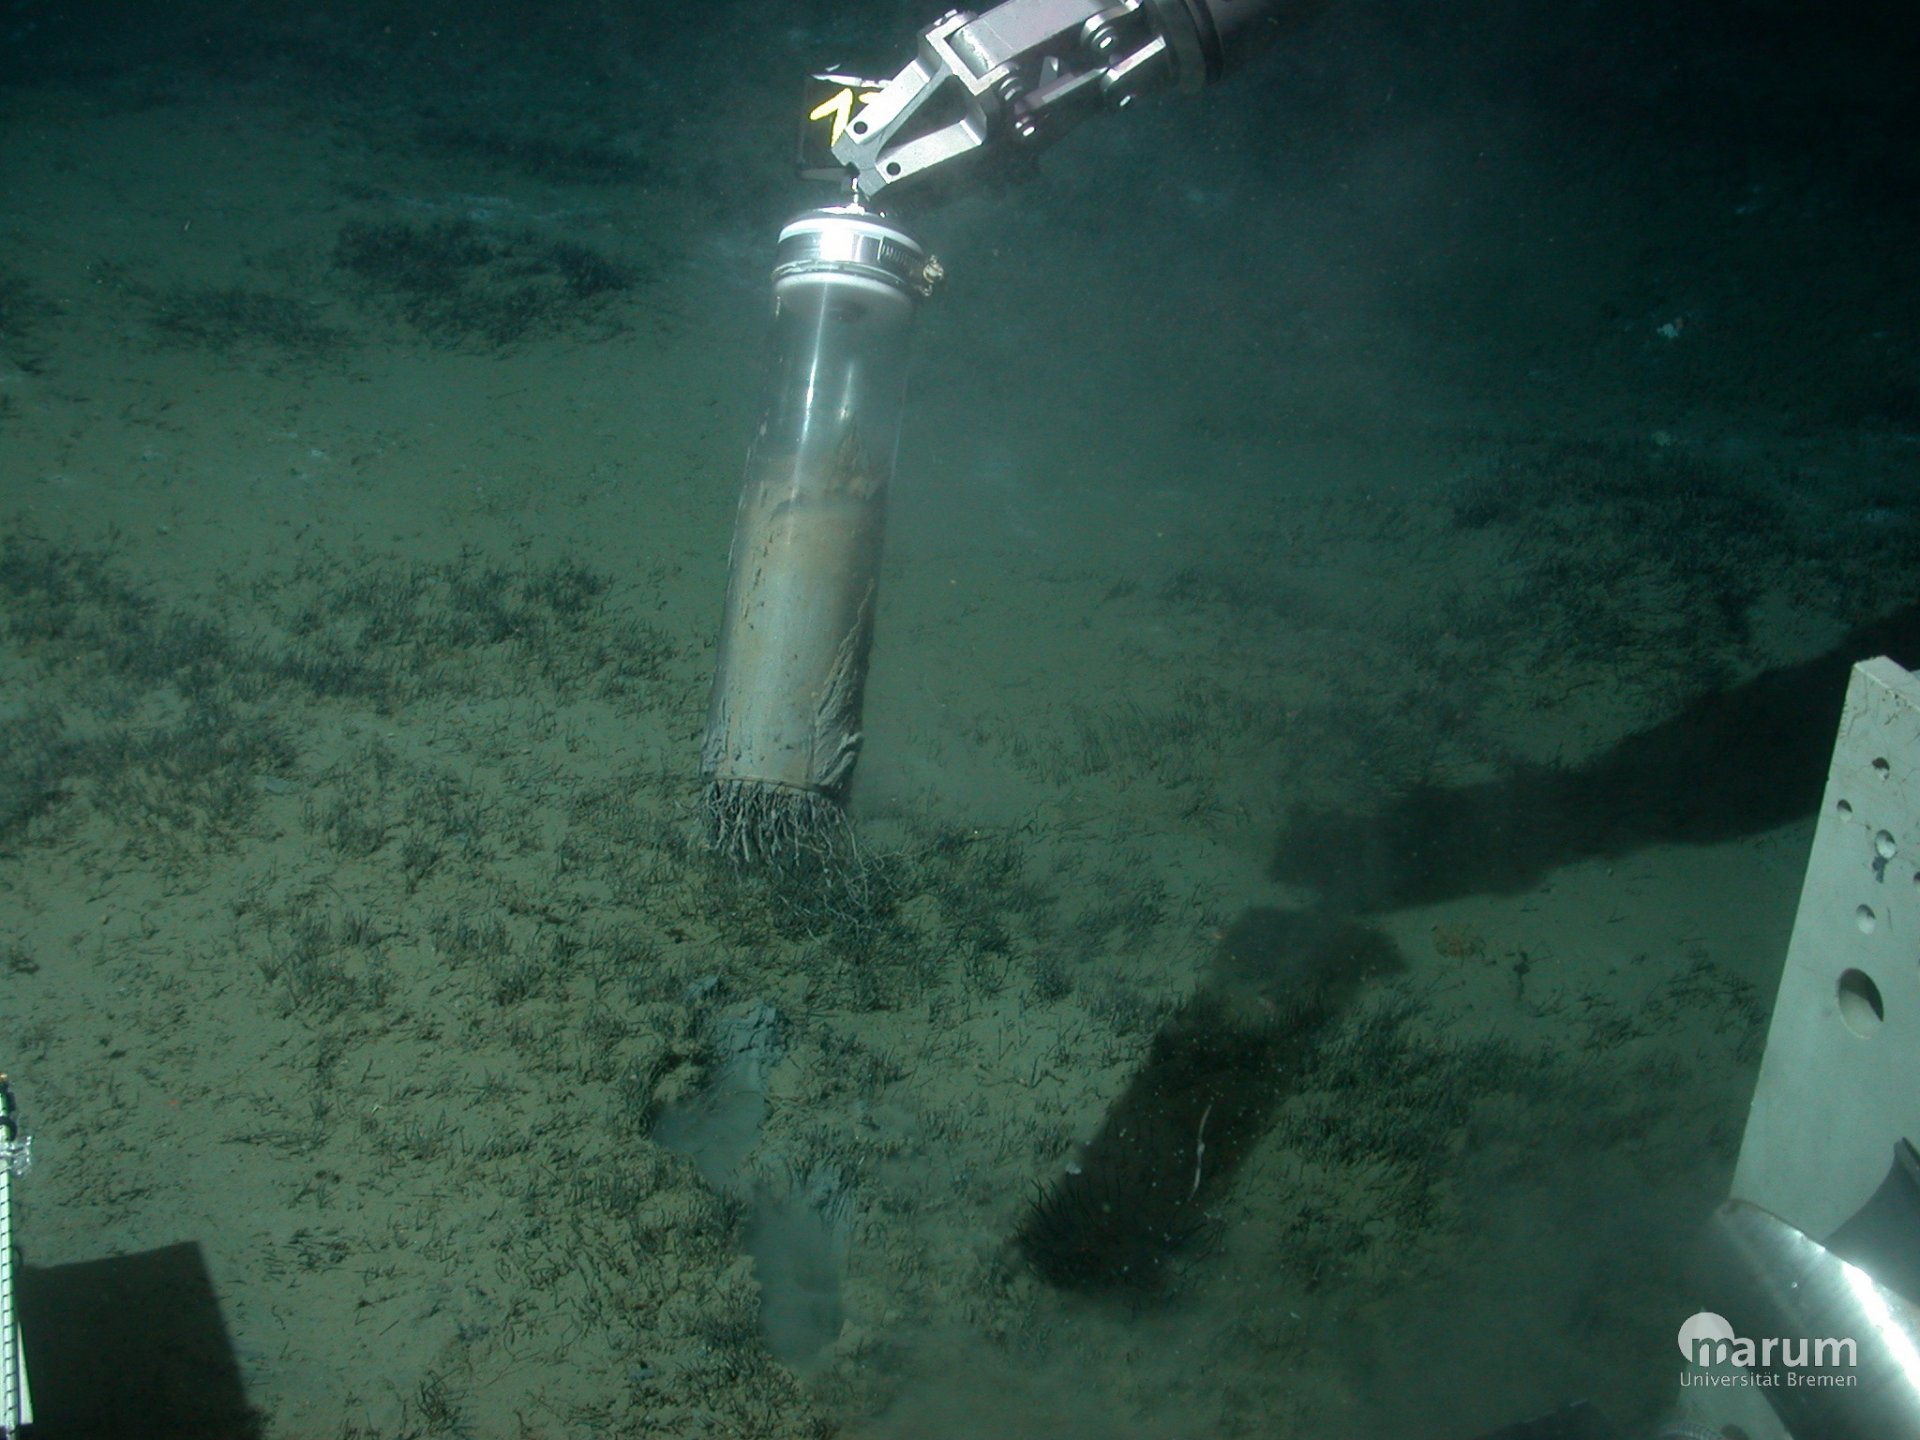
{"x":850,"y":241}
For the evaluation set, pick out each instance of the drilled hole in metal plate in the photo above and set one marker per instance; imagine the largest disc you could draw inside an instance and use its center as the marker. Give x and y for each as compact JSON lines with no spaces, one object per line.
{"x":1861,"y":1008}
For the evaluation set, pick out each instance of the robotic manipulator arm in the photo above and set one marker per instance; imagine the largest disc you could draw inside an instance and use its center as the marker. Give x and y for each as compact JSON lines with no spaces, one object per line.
{"x":1020,"y":75}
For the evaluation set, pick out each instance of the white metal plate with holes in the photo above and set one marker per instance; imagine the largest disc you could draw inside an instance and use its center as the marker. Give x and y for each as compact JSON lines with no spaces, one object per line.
{"x":1840,"y":1082}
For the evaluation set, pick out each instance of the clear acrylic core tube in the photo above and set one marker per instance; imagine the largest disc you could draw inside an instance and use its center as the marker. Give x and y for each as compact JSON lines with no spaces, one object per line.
{"x":783,"y":726}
